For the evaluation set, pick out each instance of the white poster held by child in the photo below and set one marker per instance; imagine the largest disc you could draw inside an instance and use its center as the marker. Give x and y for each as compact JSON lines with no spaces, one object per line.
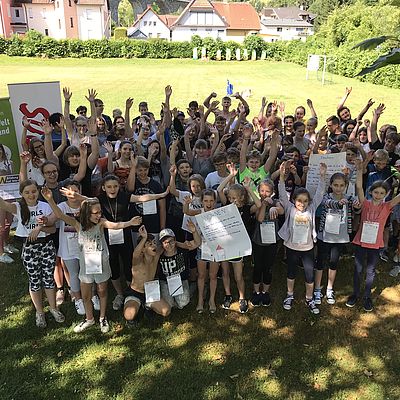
{"x":150,"y":207}
{"x":369,"y":232}
{"x":152,"y":291}
{"x":174,"y":285}
{"x":267,"y":230}
{"x":93,"y":262}
{"x":332,"y":223}
{"x":225,"y":233}
{"x":335,"y":162}
{"x":116,"y":236}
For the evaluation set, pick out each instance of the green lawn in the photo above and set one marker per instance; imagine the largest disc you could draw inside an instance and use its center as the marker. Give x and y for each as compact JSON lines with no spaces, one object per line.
{"x":268,"y":353}
{"x":143,"y":79}
{"x":344,"y":354}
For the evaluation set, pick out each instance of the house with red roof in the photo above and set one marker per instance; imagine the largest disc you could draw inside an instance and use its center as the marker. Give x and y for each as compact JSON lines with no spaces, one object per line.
{"x":150,"y":25}
{"x":59,"y":19}
{"x":227,"y":21}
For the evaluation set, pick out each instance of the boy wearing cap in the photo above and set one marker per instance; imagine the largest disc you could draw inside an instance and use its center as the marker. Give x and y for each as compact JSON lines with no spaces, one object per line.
{"x":172,"y":264}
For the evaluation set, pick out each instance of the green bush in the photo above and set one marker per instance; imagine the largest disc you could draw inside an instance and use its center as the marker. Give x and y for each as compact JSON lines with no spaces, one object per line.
{"x":343,"y":60}
{"x":120,"y":33}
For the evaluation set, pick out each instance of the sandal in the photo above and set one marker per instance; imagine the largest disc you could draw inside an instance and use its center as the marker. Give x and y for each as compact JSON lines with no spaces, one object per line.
{"x":212,"y":308}
{"x":200,"y":309}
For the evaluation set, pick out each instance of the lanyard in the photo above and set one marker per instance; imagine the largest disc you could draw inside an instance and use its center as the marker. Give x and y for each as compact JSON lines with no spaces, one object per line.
{"x":114,"y":215}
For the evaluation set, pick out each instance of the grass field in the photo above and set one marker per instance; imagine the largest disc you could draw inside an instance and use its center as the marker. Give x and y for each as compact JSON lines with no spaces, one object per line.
{"x":268,"y":353}
{"x":143,"y":79}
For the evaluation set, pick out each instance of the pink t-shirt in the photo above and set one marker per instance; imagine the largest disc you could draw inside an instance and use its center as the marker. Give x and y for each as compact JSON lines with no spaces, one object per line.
{"x":377,"y":214}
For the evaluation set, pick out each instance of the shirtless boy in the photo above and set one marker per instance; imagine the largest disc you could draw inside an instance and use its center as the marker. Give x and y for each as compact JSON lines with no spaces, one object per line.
{"x":144,"y":266}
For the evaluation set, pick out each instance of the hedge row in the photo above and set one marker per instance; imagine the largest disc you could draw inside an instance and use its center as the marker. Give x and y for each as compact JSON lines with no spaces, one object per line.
{"x":342,"y":61}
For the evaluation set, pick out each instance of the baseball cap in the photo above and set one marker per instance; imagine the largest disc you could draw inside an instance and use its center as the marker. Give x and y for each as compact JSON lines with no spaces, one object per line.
{"x":166,"y":233}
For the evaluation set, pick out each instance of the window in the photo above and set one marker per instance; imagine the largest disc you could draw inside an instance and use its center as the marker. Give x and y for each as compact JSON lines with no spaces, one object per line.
{"x":150,"y":35}
{"x":17,"y":13}
{"x":154,"y":23}
{"x":44,"y":13}
{"x":158,"y":35}
{"x":69,"y":3}
{"x":299,"y":29}
{"x":30,"y":13}
{"x":46,"y":32}
{"x":193,"y":29}
{"x":208,"y":30}
{"x":89,"y":14}
{"x":144,"y":23}
{"x":279,"y":29}
{"x":59,"y":24}
{"x":209,"y":18}
{"x":57,"y":4}
{"x":71,"y":20}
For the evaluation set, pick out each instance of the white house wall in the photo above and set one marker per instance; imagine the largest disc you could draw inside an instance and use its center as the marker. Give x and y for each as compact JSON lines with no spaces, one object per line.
{"x":186,"y":33}
{"x":152,"y":27}
{"x":287,"y":33}
{"x":44,"y":16}
{"x":90,"y":22}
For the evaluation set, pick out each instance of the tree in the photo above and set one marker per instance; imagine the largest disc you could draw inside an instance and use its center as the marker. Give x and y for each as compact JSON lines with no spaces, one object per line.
{"x":391,"y":58}
{"x":125,"y":13}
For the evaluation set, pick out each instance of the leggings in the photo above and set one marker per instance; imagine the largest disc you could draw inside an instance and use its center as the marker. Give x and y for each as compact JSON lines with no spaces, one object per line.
{"x":124,"y":251}
{"x":263,"y":258}
{"x":372,"y":256}
{"x":39,"y":260}
{"x":293,"y":259}
{"x":328,"y":255}
{"x":73,"y":269}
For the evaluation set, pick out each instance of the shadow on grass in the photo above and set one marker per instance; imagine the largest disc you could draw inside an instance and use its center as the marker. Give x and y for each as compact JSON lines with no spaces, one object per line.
{"x":267,"y":353}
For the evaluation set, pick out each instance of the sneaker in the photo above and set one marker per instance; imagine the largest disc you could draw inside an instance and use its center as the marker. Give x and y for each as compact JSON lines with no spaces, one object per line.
{"x":84,"y":325}
{"x":57,"y":315}
{"x":396,"y":257}
{"x":104,"y":327}
{"x":79,"y":307}
{"x":256,"y":299}
{"x":227,"y":302}
{"x":384,"y":256}
{"x":330,"y":297}
{"x":265,"y":299}
{"x":395,"y":271}
{"x":312,"y":306}
{"x":96,"y":302}
{"x":243,"y":306}
{"x":6,"y":259}
{"x":288,"y":302}
{"x":318,"y":296}
{"x":368,"y":305}
{"x":118,"y":302}
{"x":10,"y":249}
{"x":351,"y":301}
{"x":40,"y":320}
{"x":59,"y":297}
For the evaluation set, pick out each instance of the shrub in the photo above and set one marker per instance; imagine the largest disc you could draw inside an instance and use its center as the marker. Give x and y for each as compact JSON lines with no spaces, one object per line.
{"x":120,"y":33}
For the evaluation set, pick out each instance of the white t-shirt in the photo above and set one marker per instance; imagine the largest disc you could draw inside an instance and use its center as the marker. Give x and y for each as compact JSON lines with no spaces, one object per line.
{"x":34,"y":173}
{"x":213,"y":180}
{"x":40,"y":210}
{"x":68,"y":248}
{"x":195,"y":205}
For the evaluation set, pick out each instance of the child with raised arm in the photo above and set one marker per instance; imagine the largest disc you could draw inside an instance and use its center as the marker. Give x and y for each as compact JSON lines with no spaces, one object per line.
{"x":144,"y":267}
{"x":93,"y":254}
{"x":299,"y":235}
{"x":239,"y":195}
{"x":369,"y":237}
{"x":38,"y":252}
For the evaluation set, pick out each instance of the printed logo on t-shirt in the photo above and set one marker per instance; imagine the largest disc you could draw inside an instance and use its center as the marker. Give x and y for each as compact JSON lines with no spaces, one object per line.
{"x":172,"y":265}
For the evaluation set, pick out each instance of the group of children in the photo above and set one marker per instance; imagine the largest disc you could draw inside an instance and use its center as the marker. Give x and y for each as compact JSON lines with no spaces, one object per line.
{"x":116,"y":200}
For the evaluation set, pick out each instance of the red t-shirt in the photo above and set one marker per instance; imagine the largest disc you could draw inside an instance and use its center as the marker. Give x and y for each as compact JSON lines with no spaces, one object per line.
{"x":373,"y":213}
